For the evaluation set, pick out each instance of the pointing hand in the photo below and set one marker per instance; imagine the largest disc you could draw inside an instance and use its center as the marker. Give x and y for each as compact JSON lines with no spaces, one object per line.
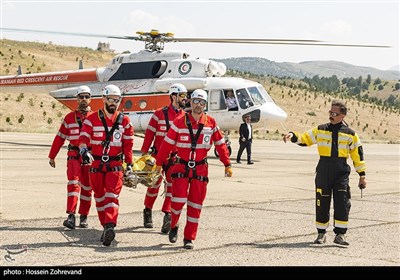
{"x":287,"y":137}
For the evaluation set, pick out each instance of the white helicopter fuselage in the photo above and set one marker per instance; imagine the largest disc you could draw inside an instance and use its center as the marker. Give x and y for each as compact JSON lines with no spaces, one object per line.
{"x":144,"y":79}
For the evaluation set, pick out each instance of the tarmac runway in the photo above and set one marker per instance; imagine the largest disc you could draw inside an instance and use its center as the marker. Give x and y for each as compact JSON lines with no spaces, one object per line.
{"x":263,"y":216}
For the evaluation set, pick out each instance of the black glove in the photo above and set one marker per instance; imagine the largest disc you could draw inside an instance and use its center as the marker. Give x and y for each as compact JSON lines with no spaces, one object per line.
{"x":87,"y":157}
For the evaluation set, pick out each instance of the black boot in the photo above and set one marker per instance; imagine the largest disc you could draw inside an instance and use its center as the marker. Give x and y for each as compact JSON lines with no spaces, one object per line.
{"x":173,"y":235}
{"x":166,"y":227}
{"x":109,"y":234}
{"x":83,"y":221}
{"x":147,"y":218}
{"x":70,"y":221}
{"x":188,"y":244}
{"x":340,"y":239}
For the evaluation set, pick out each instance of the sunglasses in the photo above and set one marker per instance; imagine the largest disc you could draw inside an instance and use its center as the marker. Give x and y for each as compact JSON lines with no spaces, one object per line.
{"x":84,"y":96}
{"x":114,"y":100}
{"x":333,"y":114}
{"x":199,"y":101}
{"x":182,"y":95}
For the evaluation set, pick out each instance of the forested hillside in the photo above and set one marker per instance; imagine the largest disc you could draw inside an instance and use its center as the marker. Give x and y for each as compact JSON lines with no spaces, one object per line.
{"x":263,"y":66}
{"x":306,"y":101}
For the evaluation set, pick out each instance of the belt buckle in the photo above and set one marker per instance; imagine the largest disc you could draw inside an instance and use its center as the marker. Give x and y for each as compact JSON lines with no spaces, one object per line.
{"x":105,"y":158}
{"x":191,"y":163}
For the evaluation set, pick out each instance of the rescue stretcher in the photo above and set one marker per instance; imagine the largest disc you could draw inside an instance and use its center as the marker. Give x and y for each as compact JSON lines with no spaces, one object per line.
{"x":143,"y":172}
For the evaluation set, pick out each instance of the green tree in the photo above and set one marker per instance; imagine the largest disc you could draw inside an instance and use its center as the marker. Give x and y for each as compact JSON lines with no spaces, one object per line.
{"x":364,"y":86}
{"x":391,"y":101}
{"x":351,"y":82}
{"x":377,"y":81}
{"x":359,"y":81}
{"x":356,"y":90}
{"x":368,"y":80}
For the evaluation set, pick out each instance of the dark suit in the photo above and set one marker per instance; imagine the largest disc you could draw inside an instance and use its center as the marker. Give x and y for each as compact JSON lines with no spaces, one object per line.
{"x":244,"y":133}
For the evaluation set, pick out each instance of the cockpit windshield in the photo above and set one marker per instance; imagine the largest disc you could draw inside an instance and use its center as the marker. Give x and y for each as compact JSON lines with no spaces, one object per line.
{"x":256,"y":95}
{"x":252,"y":96}
{"x":265,"y":94}
{"x":244,"y":98}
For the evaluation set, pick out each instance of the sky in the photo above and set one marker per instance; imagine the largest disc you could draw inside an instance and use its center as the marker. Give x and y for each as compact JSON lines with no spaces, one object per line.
{"x":342,"y":22}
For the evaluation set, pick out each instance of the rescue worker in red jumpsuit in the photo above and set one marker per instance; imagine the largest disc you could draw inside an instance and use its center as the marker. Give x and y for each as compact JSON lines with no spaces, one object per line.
{"x":336,"y":142}
{"x":110,"y":135}
{"x":77,"y":174}
{"x":192,"y":135}
{"x":156,"y":130}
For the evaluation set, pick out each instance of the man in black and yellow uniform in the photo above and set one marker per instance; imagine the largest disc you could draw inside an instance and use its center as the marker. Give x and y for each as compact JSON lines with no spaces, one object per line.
{"x":335,"y":141}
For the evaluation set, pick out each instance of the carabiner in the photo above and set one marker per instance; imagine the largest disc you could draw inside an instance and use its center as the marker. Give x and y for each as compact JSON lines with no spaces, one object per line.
{"x":105,"y":158}
{"x":191,"y":163}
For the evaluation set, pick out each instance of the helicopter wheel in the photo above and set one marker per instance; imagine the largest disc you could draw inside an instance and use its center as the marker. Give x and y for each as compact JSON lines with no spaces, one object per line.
{"x":229,"y":151}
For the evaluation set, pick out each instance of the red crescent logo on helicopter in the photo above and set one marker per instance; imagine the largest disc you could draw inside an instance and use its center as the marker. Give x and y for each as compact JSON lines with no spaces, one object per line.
{"x":185,"y":68}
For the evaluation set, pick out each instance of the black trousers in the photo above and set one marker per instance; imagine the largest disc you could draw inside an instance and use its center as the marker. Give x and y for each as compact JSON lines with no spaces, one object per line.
{"x":244,"y":145}
{"x":332,"y":178}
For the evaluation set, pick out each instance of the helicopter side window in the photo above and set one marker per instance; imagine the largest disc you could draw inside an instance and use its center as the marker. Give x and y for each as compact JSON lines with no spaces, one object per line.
{"x":217,"y":100}
{"x":244,"y":99}
{"x":230,"y":100}
{"x":140,"y":70}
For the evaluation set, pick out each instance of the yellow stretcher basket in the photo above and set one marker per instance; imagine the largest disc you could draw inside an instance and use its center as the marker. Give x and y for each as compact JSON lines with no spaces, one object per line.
{"x":144,"y":172}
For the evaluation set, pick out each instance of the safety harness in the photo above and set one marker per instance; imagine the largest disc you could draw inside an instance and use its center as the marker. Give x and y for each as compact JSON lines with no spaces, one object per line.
{"x":165,"y":111}
{"x":105,"y":158}
{"x":191,"y":164}
{"x":79,"y":121}
{"x":72,"y":147}
{"x":171,"y":157}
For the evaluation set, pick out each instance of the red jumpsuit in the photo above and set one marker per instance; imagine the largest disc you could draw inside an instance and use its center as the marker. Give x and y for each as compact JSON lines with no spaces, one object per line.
{"x":156,"y":130}
{"x":190,"y":184}
{"x":106,"y":176}
{"x":77,"y":174}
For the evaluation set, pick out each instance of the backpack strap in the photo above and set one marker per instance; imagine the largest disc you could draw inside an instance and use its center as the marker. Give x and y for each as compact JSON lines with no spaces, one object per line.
{"x":165,"y":111}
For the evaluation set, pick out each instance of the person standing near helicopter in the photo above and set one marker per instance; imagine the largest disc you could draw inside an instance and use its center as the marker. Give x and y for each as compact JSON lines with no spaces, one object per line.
{"x":336,"y":142}
{"x":110,"y":134}
{"x":245,"y":139}
{"x":157,"y":128}
{"x":193,"y":135}
{"x":77,"y":173}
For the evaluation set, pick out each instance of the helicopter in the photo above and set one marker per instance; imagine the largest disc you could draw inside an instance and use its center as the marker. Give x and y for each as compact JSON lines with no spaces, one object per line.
{"x":145,"y":77}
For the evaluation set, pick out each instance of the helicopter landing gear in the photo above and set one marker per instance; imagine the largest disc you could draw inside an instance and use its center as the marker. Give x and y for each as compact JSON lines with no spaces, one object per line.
{"x":228,"y":145}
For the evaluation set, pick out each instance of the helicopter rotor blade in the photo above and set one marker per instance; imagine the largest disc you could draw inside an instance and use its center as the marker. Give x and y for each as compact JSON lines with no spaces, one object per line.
{"x":243,"y":41}
{"x":275,"y":42}
{"x":164,"y":38}
{"x":172,"y":39}
{"x":70,"y":33}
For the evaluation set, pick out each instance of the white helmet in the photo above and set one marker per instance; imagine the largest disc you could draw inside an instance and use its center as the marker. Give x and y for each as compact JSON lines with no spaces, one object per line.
{"x":111,"y":90}
{"x":177,"y":88}
{"x":199,"y":93}
{"x":83,"y":89}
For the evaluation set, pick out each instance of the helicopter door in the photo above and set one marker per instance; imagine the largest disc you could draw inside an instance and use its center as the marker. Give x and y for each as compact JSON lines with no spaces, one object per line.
{"x":217,"y":100}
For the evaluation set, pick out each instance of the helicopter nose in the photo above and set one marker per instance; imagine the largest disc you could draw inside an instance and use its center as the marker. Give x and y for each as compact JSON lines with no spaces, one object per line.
{"x":271,"y":111}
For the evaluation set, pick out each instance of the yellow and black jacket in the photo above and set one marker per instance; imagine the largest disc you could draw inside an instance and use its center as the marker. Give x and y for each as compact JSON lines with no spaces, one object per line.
{"x":334,"y":141}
